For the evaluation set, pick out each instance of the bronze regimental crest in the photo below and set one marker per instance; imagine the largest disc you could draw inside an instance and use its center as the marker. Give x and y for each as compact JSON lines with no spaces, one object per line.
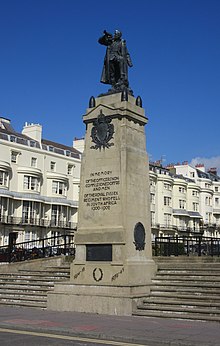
{"x":139,"y":236}
{"x":102,"y":132}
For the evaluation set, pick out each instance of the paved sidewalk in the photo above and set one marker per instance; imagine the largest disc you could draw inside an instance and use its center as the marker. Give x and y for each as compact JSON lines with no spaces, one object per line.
{"x":146,"y":331}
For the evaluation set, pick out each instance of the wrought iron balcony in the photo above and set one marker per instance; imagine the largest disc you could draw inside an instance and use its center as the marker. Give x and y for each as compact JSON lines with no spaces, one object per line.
{"x":40,"y":222}
{"x":167,"y":227}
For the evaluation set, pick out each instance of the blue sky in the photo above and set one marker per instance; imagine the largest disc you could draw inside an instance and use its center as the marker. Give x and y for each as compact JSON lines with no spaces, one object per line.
{"x":51,"y":62}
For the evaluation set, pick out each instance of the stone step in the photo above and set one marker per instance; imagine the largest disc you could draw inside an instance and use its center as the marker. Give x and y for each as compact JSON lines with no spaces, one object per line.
{"x":25,"y":282}
{"x":184,"y":259}
{"x":41,"y":305}
{"x":190,"y":266}
{"x":176,"y":315}
{"x":30,"y":274}
{"x":180,"y":302}
{"x":15,"y":288}
{"x":180,"y":309}
{"x":177,"y":289}
{"x":29,"y":287}
{"x":191,"y":295}
{"x":25,"y":278}
{"x":45,"y":272}
{"x":189,"y":284}
{"x":184,"y":289}
{"x":20,"y":294}
{"x":199,"y":270}
{"x":26,"y":287}
{"x":24,"y":297}
{"x":185,"y":277}
{"x":206,"y":273}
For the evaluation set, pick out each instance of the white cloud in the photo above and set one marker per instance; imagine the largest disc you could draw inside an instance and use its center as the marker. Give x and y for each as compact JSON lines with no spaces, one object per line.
{"x":208,"y":162}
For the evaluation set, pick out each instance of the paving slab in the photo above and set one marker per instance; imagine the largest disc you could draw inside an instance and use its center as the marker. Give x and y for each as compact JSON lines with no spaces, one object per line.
{"x":133,"y":329}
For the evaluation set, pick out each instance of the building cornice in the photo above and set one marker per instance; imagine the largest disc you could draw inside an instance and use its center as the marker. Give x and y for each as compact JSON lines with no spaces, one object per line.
{"x":38,"y":198}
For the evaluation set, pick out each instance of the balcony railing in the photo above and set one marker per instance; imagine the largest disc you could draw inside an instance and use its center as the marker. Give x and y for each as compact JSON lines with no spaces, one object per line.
{"x":40,"y":248}
{"x":169,"y":227}
{"x":22,"y":221}
{"x":186,"y":245}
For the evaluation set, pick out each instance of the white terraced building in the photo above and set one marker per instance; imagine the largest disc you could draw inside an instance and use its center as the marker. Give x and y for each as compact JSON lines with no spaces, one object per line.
{"x":39,"y":190}
{"x":39,"y":185}
{"x":185,"y":200}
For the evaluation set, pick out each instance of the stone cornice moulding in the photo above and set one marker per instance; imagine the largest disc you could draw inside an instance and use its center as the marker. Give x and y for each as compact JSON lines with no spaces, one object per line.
{"x":57,"y":176}
{"x":30,"y":170}
{"x":5,"y":165}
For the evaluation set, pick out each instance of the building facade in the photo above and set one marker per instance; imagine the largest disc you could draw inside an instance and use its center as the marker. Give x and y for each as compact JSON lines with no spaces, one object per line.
{"x":185,"y":200}
{"x":39,"y":190}
{"x":39,"y":185}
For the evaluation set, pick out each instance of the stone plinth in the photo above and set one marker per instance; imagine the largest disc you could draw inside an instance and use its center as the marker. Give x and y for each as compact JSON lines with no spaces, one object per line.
{"x":113,"y":264}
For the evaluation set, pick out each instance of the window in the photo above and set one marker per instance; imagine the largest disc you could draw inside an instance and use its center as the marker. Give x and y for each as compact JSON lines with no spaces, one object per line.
{"x":208,"y":217}
{"x":27,"y":236}
{"x":182,"y":189}
{"x":30,"y":212}
{"x":55,"y":215}
{"x":152,"y":217}
{"x":3,"y":206}
{"x":33,"y":162}
{"x":208,"y":201}
{"x":167,"y":201}
{"x":50,"y":148}
{"x":3,"y":178}
{"x":167,"y":186}
{"x":182,"y":204}
{"x":33,"y":144}
{"x":152,"y":183}
{"x":216,"y":202}
{"x":216,"y":189}
{"x":69,"y":169}
{"x":54,"y":240}
{"x":26,"y":211}
{"x":192,"y":174}
{"x":58,"y":188}
{"x":152,"y":198}
{"x":52,"y":166}
{"x":12,"y":138}
{"x":167,"y":219}
{"x":14,"y":156}
{"x":182,"y":224}
{"x":195,"y":206}
{"x":31,"y":183}
{"x":34,"y":236}
{"x":207,"y":185}
{"x":194,"y":193}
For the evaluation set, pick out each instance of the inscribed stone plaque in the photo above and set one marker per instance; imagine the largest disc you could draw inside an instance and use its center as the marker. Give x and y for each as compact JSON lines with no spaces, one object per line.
{"x":99,"y":252}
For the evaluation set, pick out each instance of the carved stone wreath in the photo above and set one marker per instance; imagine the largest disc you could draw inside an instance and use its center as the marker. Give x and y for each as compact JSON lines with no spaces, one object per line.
{"x":97,"y":274}
{"x":102,"y":132}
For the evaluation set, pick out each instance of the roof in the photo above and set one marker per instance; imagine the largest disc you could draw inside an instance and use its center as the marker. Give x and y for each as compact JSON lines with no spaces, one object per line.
{"x":209,"y":175}
{"x":60,"y":148}
{"x":8,"y":133}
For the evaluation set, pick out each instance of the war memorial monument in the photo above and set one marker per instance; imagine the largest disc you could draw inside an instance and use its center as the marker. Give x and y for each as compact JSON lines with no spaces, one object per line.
{"x":113,"y":266}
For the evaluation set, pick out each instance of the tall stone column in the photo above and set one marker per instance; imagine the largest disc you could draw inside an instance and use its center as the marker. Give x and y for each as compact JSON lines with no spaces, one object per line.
{"x":113,"y":265}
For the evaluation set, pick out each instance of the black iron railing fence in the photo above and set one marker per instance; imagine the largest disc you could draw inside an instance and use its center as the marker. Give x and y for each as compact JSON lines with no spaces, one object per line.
{"x":11,"y":220}
{"x":186,"y":245}
{"x":45,"y":247}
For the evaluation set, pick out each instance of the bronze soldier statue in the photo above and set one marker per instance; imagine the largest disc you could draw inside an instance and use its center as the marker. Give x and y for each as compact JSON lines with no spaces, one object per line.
{"x":117,"y":60}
